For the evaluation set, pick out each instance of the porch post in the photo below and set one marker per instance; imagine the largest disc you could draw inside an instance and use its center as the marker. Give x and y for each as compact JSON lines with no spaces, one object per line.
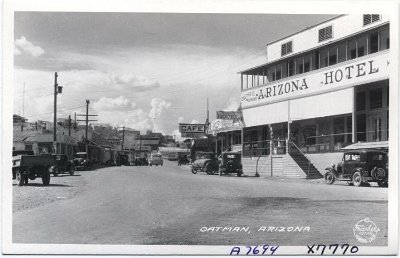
{"x":353,"y":118}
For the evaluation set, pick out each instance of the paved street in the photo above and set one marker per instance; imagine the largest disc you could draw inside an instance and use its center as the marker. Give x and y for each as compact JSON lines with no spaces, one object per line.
{"x":170,"y":205}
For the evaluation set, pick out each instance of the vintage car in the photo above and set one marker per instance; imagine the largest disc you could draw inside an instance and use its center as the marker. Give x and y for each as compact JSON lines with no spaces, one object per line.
{"x":360,"y":167}
{"x":231,"y":162}
{"x":205,"y":162}
{"x":156,"y":159}
{"x":30,"y":167}
{"x":20,"y":152}
{"x":81,"y":161}
{"x":183,"y":160}
{"x":63,"y":165}
{"x":141,"y":161}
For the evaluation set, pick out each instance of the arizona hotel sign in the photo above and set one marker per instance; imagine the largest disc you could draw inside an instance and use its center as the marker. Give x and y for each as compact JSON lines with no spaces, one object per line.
{"x":337,"y":77}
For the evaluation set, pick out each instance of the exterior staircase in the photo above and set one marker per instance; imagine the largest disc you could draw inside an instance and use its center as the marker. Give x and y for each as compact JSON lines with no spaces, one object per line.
{"x":303,"y":162}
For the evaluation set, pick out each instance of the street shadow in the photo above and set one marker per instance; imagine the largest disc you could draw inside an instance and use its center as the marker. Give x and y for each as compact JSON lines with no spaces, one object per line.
{"x":50,"y":185}
{"x":67,"y":175}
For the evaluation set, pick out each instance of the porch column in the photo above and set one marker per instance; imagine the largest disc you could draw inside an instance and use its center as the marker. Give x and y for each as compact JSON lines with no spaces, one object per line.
{"x":353,"y":118}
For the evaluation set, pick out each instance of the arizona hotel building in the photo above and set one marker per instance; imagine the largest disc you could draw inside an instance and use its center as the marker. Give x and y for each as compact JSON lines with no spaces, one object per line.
{"x":322,"y":89}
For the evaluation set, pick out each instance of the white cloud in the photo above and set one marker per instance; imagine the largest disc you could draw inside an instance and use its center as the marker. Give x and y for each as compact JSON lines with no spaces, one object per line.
{"x":109,"y":104}
{"x":180,"y":119}
{"x":232,"y":105}
{"x":158,"y":105}
{"x":22,"y":45}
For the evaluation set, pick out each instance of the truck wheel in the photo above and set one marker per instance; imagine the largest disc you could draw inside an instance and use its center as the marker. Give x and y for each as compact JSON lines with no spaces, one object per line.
{"x":46,"y":179}
{"x":72,"y":170}
{"x":20,"y":178}
{"x":208,"y":169}
{"x":382,"y":184}
{"x":56,"y":172}
{"x":329,"y":178}
{"x":357,"y":178}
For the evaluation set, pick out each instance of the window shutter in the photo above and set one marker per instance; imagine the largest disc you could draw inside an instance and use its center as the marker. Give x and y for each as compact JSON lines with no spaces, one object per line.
{"x":370,"y":18}
{"x":325,"y":33}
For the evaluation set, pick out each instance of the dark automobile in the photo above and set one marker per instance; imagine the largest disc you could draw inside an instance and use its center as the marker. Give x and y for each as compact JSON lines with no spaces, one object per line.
{"x":183,"y":160}
{"x":81,"y":160}
{"x":63,"y":165}
{"x":21,"y":152}
{"x":231,"y":162}
{"x":205,"y":162}
{"x":360,"y":167}
{"x":141,"y":161}
{"x":30,"y":167}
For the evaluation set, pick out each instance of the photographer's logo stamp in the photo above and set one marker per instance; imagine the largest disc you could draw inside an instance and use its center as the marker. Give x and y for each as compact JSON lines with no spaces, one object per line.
{"x":365,"y":230}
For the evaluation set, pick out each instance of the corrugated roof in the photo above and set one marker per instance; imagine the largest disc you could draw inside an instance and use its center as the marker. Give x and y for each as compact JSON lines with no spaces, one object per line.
{"x":24,"y":136}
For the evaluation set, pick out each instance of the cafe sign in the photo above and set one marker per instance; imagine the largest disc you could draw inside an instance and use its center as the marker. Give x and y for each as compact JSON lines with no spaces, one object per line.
{"x":332,"y":78}
{"x":192,"y":128}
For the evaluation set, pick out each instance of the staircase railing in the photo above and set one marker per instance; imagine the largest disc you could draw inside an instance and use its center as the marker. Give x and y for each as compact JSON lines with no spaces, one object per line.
{"x":302,"y":153}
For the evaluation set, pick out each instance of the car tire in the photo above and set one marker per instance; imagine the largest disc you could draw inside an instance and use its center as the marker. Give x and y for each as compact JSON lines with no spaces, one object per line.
{"x":72,"y":170}
{"x":56,"y":172}
{"x":194,"y":171}
{"x":46,"y":179}
{"x":329,"y":178}
{"x":26,"y":180}
{"x":357,"y":179}
{"x":208,"y":169}
{"x":239,"y":174}
{"x":20,"y":178}
{"x":382,"y":184}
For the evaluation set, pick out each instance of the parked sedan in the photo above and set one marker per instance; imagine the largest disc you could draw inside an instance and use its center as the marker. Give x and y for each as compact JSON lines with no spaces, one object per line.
{"x":207,"y":162}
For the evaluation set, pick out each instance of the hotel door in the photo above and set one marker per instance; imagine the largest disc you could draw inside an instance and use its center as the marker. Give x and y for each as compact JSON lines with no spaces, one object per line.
{"x":377,"y":129}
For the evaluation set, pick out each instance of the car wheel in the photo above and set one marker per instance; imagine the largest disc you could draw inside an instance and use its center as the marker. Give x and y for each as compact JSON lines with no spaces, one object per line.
{"x":194,"y":171}
{"x":46,"y":179}
{"x":357,"y":178}
{"x":56,"y":172}
{"x":72,"y":170}
{"x":239,"y":174}
{"x":208,"y":169}
{"x":20,"y":178}
{"x":382,"y":184}
{"x":329,"y":178}
{"x":26,"y":179}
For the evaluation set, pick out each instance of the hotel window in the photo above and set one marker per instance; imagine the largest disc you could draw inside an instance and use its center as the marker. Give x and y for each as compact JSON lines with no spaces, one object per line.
{"x":362,"y":46}
{"x":290,"y":67}
{"x":370,"y":18}
{"x":333,"y":55}
{"x":360,"y":101}
{"x":352,"y":50}
{"x":323,"y":58}
{"x":373,"y":43}
{"x":315,"y":61}
{"x":284,"y":70}
{"x":342,"y":52}
{"x":279,"y":72}
{"x":375,"y":99}
{"x":384,"y":39}
{"x":307,"y":63}
{"x":325,"y":33}
{"x":299,"y":65}
{"x":286,"y":48}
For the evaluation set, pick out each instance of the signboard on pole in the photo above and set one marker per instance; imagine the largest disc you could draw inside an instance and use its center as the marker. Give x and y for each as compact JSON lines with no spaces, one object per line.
{"x":192,"y":128}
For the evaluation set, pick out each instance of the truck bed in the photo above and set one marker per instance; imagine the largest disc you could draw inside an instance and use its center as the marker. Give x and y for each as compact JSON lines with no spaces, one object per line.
{"x":33,"y":160}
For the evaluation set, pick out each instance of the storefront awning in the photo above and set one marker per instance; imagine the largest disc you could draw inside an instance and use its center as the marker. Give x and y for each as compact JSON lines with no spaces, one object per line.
{"x":367,"y":145}
{"x":224,"y":125}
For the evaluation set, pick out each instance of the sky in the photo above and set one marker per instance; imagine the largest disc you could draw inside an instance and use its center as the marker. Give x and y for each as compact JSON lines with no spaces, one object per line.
{"x":140,"y":70}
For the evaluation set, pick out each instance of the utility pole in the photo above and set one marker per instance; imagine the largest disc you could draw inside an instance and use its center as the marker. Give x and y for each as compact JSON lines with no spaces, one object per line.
{"x":57,"y":89}
{"x":23,"y":101}
{"x":87,"y":125}
{"x":123,"y":137}
{"x":69,"y":125}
